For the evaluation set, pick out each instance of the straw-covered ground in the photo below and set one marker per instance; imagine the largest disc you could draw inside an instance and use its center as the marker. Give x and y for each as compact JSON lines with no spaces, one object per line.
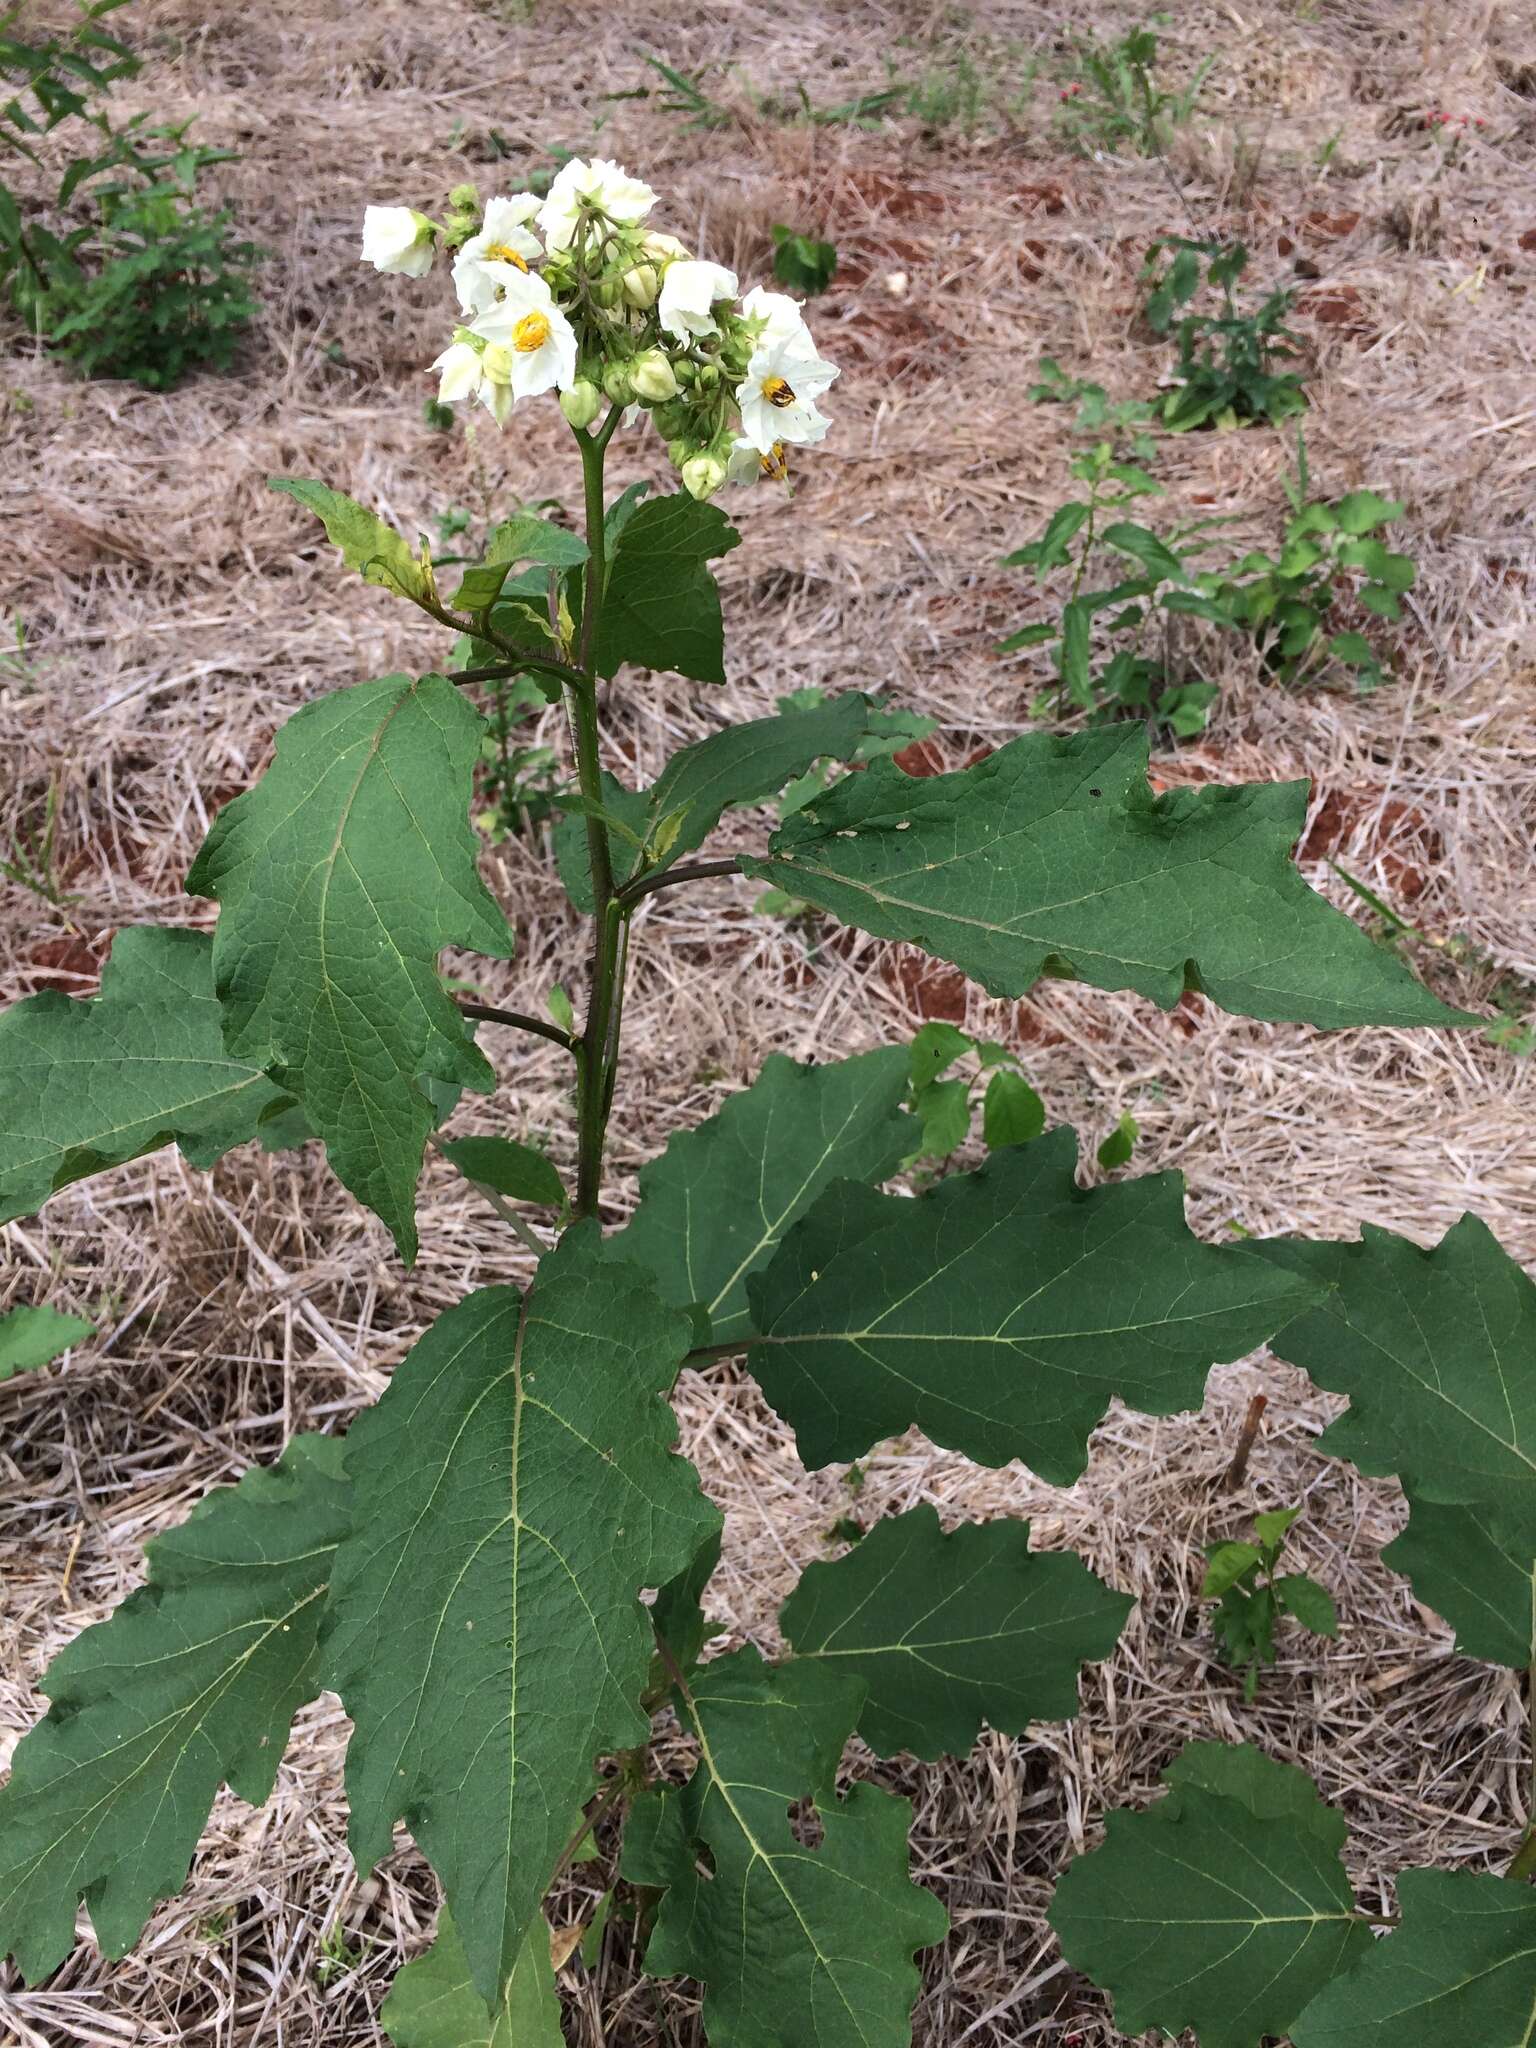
{"x":176,"y":613}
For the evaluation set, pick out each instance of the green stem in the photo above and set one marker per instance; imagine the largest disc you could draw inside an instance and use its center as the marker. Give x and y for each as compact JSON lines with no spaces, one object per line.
{"x":594,"y":1089}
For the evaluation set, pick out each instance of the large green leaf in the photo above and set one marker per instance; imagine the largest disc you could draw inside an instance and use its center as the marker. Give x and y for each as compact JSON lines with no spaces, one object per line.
{"x":33,"y":1337}
{"x":1002,"y":1311}
{"x":808,"y":1948}
{"x":661,"y":607}
{"x":1437,"y":1353}
{"x":1223,"y":1907}
{"x":433,"y":2004}
{"x":1052,"y":856}
{"x":341,"y":875}
{"x":948,"y":1632}
{"x":1478,"y":1571}
{"x":516,"y":1488}
{"x":87,"y":1085}
{"x":194,"y":1680}
{"x":1459,"y":1973}
{"x":715,"y":1205}
{"x":375,"y":550}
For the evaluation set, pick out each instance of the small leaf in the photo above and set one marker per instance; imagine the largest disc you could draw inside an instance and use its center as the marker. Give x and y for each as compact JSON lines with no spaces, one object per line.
{"x":1460,"y":1972}
{"x":1053,"y":857}
{"x":801,"y":262}
{"x":518,"y":1645}
{"x":433,"y":2004}
{"x":1223,"y":1907}
{"x":1028,"y":636}
{"x":944,"y":1108}
{"x":1012,"y":1113}
{"x":368,"y":545}
{"x":558,"y":1004}
{"x":1226,"y":1564}
{"x":1363,"y":511}
{"x":951,"y":1632}
{"x":193,"y":1681}
{"x":35,"y":1337}
{"x":340,"y":877}
{"x":516,"y":1171}
{"x":714,"y":1207}
{"x":1117,"y":1148}
{"x":1308,"y":1602}
{"x":1144,"y":546}
{"x":934,"y":1049}
{"x":1001,"y":1312}
{"x":90,"y":1084}
{"x":1271,"y":1528}
{"x":810,"y":1947}
{"x":661,"y":609}
{"x":678,"y":1615}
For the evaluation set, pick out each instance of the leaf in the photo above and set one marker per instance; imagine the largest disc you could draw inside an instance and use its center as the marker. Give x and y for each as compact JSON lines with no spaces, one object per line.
{"x":433,"y":2004}
{"x":1477,"y":1570}
{"x":517,"y":1171}
{"x":1117,"y":1148}
{"x":1053,"y":857}
{"x":374,"y":550}
{"x":34,"y":1337}
{"x":950,"y":1632}
{"x":192,"y":1681}
{"x":92,"y":1084}
{"x":661,"y":606}
{"x":714,"y":1207}
{"x":518,"y":1647}
{"x":340,"y":877}
{"x":808,"y":1948}
{"x":632,"y":809}
{"x":1001,"y":1312}
{"x":1223,"y":1908}
{"x":1012,"y":1113}
{"x":678,"y":1617}
{"x":1143,"y":546}
{"x":523,"y":538}
{"x":1226,"y":1563}
{"x":944,"y":1108}
{"x":1307,"y":1602}
{"x":1460,"y":1970}
{"x":1363,"y":511}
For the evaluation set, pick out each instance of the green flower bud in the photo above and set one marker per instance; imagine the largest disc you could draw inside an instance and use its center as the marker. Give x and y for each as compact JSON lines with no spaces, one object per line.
{"x":582,"y":403}
{"x":709,"y":376}
{"x":703,"y":475}
{"x":464,"y":199}
{"x":608,"y":291}
{"x":672,"y":420}
{"x":685,"y":371}
{"x":651,"y":375}
{"x":679,"y":449}
{"x":641,"y":286}
{"x":617,"y":383}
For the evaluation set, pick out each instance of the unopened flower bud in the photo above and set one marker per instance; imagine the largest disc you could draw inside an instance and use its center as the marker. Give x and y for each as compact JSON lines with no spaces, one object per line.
{"x":709,"y":376}
{"x":703,"y":475}
{"x":464,"y":199}
{"x":496,"y":362}
{"x":680,"y":450}
{"x":618,"y":383}
{"x":671,"y":420}
{"x":685,"y":371}
{"x":651,"y":376}
{"x":582,"y":403}
{"x":608,"y":291}
{"x":641,"y":286}
{"x":661,"y":248}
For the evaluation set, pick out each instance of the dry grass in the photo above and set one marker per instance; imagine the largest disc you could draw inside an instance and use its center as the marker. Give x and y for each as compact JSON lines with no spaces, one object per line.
{"x":177,"y":614}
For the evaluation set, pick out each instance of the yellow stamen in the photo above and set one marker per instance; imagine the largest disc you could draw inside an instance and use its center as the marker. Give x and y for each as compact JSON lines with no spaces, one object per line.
{"x":777,"y":392}
{"x":775,"y":465}
{"x":498,"y":252}
{"x":530,"y":334}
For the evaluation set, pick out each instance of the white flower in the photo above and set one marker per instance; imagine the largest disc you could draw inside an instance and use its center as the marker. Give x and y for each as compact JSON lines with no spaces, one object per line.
{"x":785,"y":320}
{"x":397,"y":239}
{"x":466,"y":374}
{"x":601,"y":185}
{"x":503,"y":246}
{"x":748,"y":465}
{"x":688,"y":290}
{"x":778,"y":398}
{"x":531,"y":338}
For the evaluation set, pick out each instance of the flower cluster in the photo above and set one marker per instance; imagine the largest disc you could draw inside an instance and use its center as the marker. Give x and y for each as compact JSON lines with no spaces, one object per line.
{"x":572,"y":293}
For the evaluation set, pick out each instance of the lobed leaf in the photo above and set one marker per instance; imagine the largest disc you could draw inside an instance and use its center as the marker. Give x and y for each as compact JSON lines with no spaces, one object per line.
{"x":340,"y":877}
{"x":1461,"y":1969}
{"x":950,"y":1632}
{"x":434,"y":2004}
{"x":714,"y":1207}
{"x":85,"y":1085}
{"x":518,"y":1648}
{"x":192,"y":1681}
{"x":1223,"y":1908}
{"x":661,"y":605}
{"x":1002,"y":1311}
{"x":1052,"y":856}
{"x":808,"y":1948}
{"x":35,"y":1337}
{"x":1478,"y":1570}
